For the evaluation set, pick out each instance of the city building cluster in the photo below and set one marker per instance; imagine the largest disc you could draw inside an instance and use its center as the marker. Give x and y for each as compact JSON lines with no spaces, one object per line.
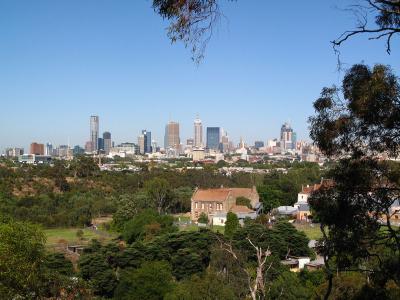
{"x":213,"y":146}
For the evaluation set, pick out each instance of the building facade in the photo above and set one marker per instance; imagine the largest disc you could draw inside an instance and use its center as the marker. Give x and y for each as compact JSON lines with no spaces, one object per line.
{"x":220,"y":201}
{"x":37,"y":149}
{"x":94,"y":132}
{"x":198,"y":133}
{"x":107,"y":142}
{"x":213,"y":138}
{"x":172,"y":139}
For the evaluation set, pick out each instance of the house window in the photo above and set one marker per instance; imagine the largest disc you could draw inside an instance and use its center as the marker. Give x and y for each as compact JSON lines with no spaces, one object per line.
{"x":202,"y":206}
{"x":195,"y":205}
{"x":210,"y":206}
{"x":217,"y":206}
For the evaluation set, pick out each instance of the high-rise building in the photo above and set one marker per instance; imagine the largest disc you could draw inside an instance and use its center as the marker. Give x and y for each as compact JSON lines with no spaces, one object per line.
{"x":141,"y":143}
{"x":78,"y":150}
{"x":286,"y":136}
{"x":294,"y":140}
{"x":14,"y":152}
{"x":258,"y":144}
{"x":100,"y":144}
{"x":94,"y":132}
{"x":213,"y":138}
{"x":198,"y":133}
{"x":171,"y":138}
{"x":48,"y":149}
{"x":107,"y":142}
{"x":88,"y":146}
{"x":37,"y":149}
{"x":147,"y":141}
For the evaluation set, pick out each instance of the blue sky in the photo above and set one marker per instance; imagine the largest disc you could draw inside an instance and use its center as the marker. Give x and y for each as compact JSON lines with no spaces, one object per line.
{"x":61,"y":61}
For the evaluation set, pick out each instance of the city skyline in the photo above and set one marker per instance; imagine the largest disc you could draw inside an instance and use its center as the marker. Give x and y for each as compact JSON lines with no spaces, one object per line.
{"x":144,"y":140}
{"x":252,"y":79}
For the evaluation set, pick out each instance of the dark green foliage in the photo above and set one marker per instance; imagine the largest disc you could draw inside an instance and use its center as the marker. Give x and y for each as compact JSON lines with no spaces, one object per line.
{"x":186,"y":262}
{"x":203,"y":218}
{"x":231,"y":224}
{"x":208,"y":287}
{"x":355,"y":212}
{"x":96,"y":267}
{"x":281,"y":189}
{"x":289,"y":286}
{"x":56,"y":262}
{"x":151,"y":281}
{"x":282,"y":240}
{"x":146,"y":225}
{"x":243,"y":201}
{"x":187,"y":252}
{"x":296,"y":241}
{"x":21,"y":256}
{"x":84,"y":166}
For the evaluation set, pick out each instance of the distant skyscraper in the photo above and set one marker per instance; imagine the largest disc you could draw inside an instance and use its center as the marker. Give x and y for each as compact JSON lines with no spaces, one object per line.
{"x":37,"y":149}
{"x":172,"y":139}
{"x":141,"y":144}
{"x":198,"y":133}
{"x":78,"y":150}
{"x":100,"y":144}
{"x":94,"y":132}
{"x":107,"y":142}
{"x":147,"y":141}
{"x":49,"y":149}
{"x":294,"y":140}
{"x":213,"y":138}
{"x":286,"y":136}
{"x":258,"y":144}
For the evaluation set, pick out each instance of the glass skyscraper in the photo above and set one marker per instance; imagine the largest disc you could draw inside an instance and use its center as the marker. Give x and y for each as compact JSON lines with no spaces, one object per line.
{"x":213,"y":138}
{"x":94,"y":132}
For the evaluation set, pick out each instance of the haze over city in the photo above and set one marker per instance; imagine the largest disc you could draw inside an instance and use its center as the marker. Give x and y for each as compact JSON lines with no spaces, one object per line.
{"x":64,"y":61}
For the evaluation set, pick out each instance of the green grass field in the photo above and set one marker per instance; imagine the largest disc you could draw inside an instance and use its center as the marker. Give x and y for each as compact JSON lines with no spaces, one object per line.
{"x":55,"y":235}
{"x":312,"y":231}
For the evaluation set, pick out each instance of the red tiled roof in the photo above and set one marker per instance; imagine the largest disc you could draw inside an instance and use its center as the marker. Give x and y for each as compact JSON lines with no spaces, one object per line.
{"x":222,"y":194}
{"x":316,"y":187}
{"x":211,"y":195}
{"x":241,"y":209}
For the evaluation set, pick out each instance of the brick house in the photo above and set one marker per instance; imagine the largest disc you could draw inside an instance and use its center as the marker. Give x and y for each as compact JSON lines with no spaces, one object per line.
{"x":222,"y":200}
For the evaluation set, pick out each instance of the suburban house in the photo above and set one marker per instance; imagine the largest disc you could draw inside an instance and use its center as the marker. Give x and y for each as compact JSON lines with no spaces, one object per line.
{"x":303,"y":209}
{"x":216,"y":203}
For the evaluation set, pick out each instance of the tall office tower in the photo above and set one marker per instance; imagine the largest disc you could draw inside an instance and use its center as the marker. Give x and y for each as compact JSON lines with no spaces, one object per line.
{"x":141,"y":143}
{"x":171,"y":139}
{"x":100,"y":144}
{"x":37,"y":149}
{"x":286,"y":136}
{"x":213,"y":138}
{"x":94,"y":132}
{"x":154,"y":146}
{"x":294,"y":140}
{"x":198,"y":133}
{"x":224,"y":143}
{"x":49,"y":149}
{"x":107,"y":142}
{"x":147,"y":141}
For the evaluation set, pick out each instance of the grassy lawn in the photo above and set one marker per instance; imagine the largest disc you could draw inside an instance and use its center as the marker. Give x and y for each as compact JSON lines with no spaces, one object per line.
{"x":55,"y":235}
{"x":312,"y":231}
